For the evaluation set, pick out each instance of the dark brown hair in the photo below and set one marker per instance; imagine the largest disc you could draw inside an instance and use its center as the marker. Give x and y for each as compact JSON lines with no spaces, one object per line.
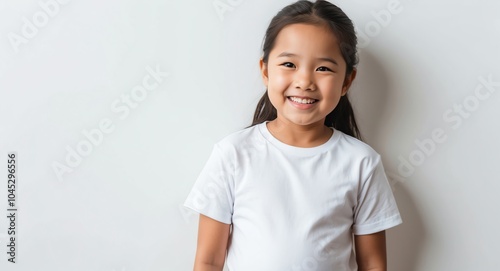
{"x":317,"y":13}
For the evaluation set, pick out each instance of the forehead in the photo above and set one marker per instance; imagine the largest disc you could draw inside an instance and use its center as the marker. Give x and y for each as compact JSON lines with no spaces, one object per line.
{"x":306,"y":39}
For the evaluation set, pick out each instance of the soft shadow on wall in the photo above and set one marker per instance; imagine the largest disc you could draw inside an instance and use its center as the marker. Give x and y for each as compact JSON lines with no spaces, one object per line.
{"x":371,"y":96}
{"x":406,"y":241}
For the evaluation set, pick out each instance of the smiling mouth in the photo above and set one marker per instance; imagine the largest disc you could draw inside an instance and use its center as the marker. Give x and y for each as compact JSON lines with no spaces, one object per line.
{"x":301,"y":101}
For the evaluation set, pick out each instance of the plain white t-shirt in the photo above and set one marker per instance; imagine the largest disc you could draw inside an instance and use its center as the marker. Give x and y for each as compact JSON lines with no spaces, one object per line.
{"x":293,"y":208}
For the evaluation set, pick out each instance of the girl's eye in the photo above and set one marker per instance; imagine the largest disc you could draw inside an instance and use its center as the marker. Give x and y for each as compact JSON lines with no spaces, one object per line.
{"x":324,"y":69}
{"x":288,"y":65}
{"x":291,"y":65}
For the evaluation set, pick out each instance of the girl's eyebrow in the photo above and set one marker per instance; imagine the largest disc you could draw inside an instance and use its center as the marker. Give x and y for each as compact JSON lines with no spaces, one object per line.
{"x":287,"y":54}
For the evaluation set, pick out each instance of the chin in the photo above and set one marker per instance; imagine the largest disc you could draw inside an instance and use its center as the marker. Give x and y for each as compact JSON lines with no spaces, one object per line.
{"x":303,"y":122}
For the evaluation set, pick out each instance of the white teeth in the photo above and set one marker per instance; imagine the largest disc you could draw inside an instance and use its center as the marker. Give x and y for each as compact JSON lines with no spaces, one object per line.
{"x":302,"y":101}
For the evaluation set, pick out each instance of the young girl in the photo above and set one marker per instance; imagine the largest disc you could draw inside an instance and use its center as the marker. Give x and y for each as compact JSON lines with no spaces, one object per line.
{"x":298,"y":189}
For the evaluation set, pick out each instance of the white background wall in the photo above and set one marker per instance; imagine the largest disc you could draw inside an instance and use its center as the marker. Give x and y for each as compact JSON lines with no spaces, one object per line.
{"x":118,"y":207}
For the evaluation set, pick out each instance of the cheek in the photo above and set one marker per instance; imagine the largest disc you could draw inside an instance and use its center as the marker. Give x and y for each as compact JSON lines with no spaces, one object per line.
{"x":278,"y":80}
{"x":328,"y":88}
{"x":333,"y":95}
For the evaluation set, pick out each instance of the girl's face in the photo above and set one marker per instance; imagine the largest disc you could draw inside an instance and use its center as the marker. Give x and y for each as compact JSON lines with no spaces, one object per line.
{"x":305,"y":74}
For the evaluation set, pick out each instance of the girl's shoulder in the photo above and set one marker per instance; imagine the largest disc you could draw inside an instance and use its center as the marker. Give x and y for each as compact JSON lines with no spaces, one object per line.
{"x":240,"y":139}
{"x":355,"y":147}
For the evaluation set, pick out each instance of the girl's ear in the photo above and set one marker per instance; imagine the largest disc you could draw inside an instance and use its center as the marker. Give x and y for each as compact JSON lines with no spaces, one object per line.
{"x":348,"y":81}
{"x":263,"y":72}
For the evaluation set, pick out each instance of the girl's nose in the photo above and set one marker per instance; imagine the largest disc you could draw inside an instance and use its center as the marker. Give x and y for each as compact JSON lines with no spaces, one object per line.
{"x":304,"y":80}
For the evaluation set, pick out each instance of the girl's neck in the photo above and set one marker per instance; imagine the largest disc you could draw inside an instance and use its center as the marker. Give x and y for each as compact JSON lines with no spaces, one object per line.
{"x":304,"y":136}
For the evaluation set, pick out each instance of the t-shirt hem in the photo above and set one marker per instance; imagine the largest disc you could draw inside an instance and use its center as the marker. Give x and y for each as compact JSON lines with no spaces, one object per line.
{"x":378,"y":226}
{"x":217,"y":217}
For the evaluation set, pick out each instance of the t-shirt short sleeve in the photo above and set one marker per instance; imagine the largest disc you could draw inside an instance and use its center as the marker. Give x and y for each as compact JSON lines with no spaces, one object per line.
{"x":212,"y":194}
{"x":376,"y":208}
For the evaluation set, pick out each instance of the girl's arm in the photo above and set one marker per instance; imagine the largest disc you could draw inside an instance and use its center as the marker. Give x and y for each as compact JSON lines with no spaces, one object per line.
{"x":371,"y":252}
{"x":212,"y":244}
